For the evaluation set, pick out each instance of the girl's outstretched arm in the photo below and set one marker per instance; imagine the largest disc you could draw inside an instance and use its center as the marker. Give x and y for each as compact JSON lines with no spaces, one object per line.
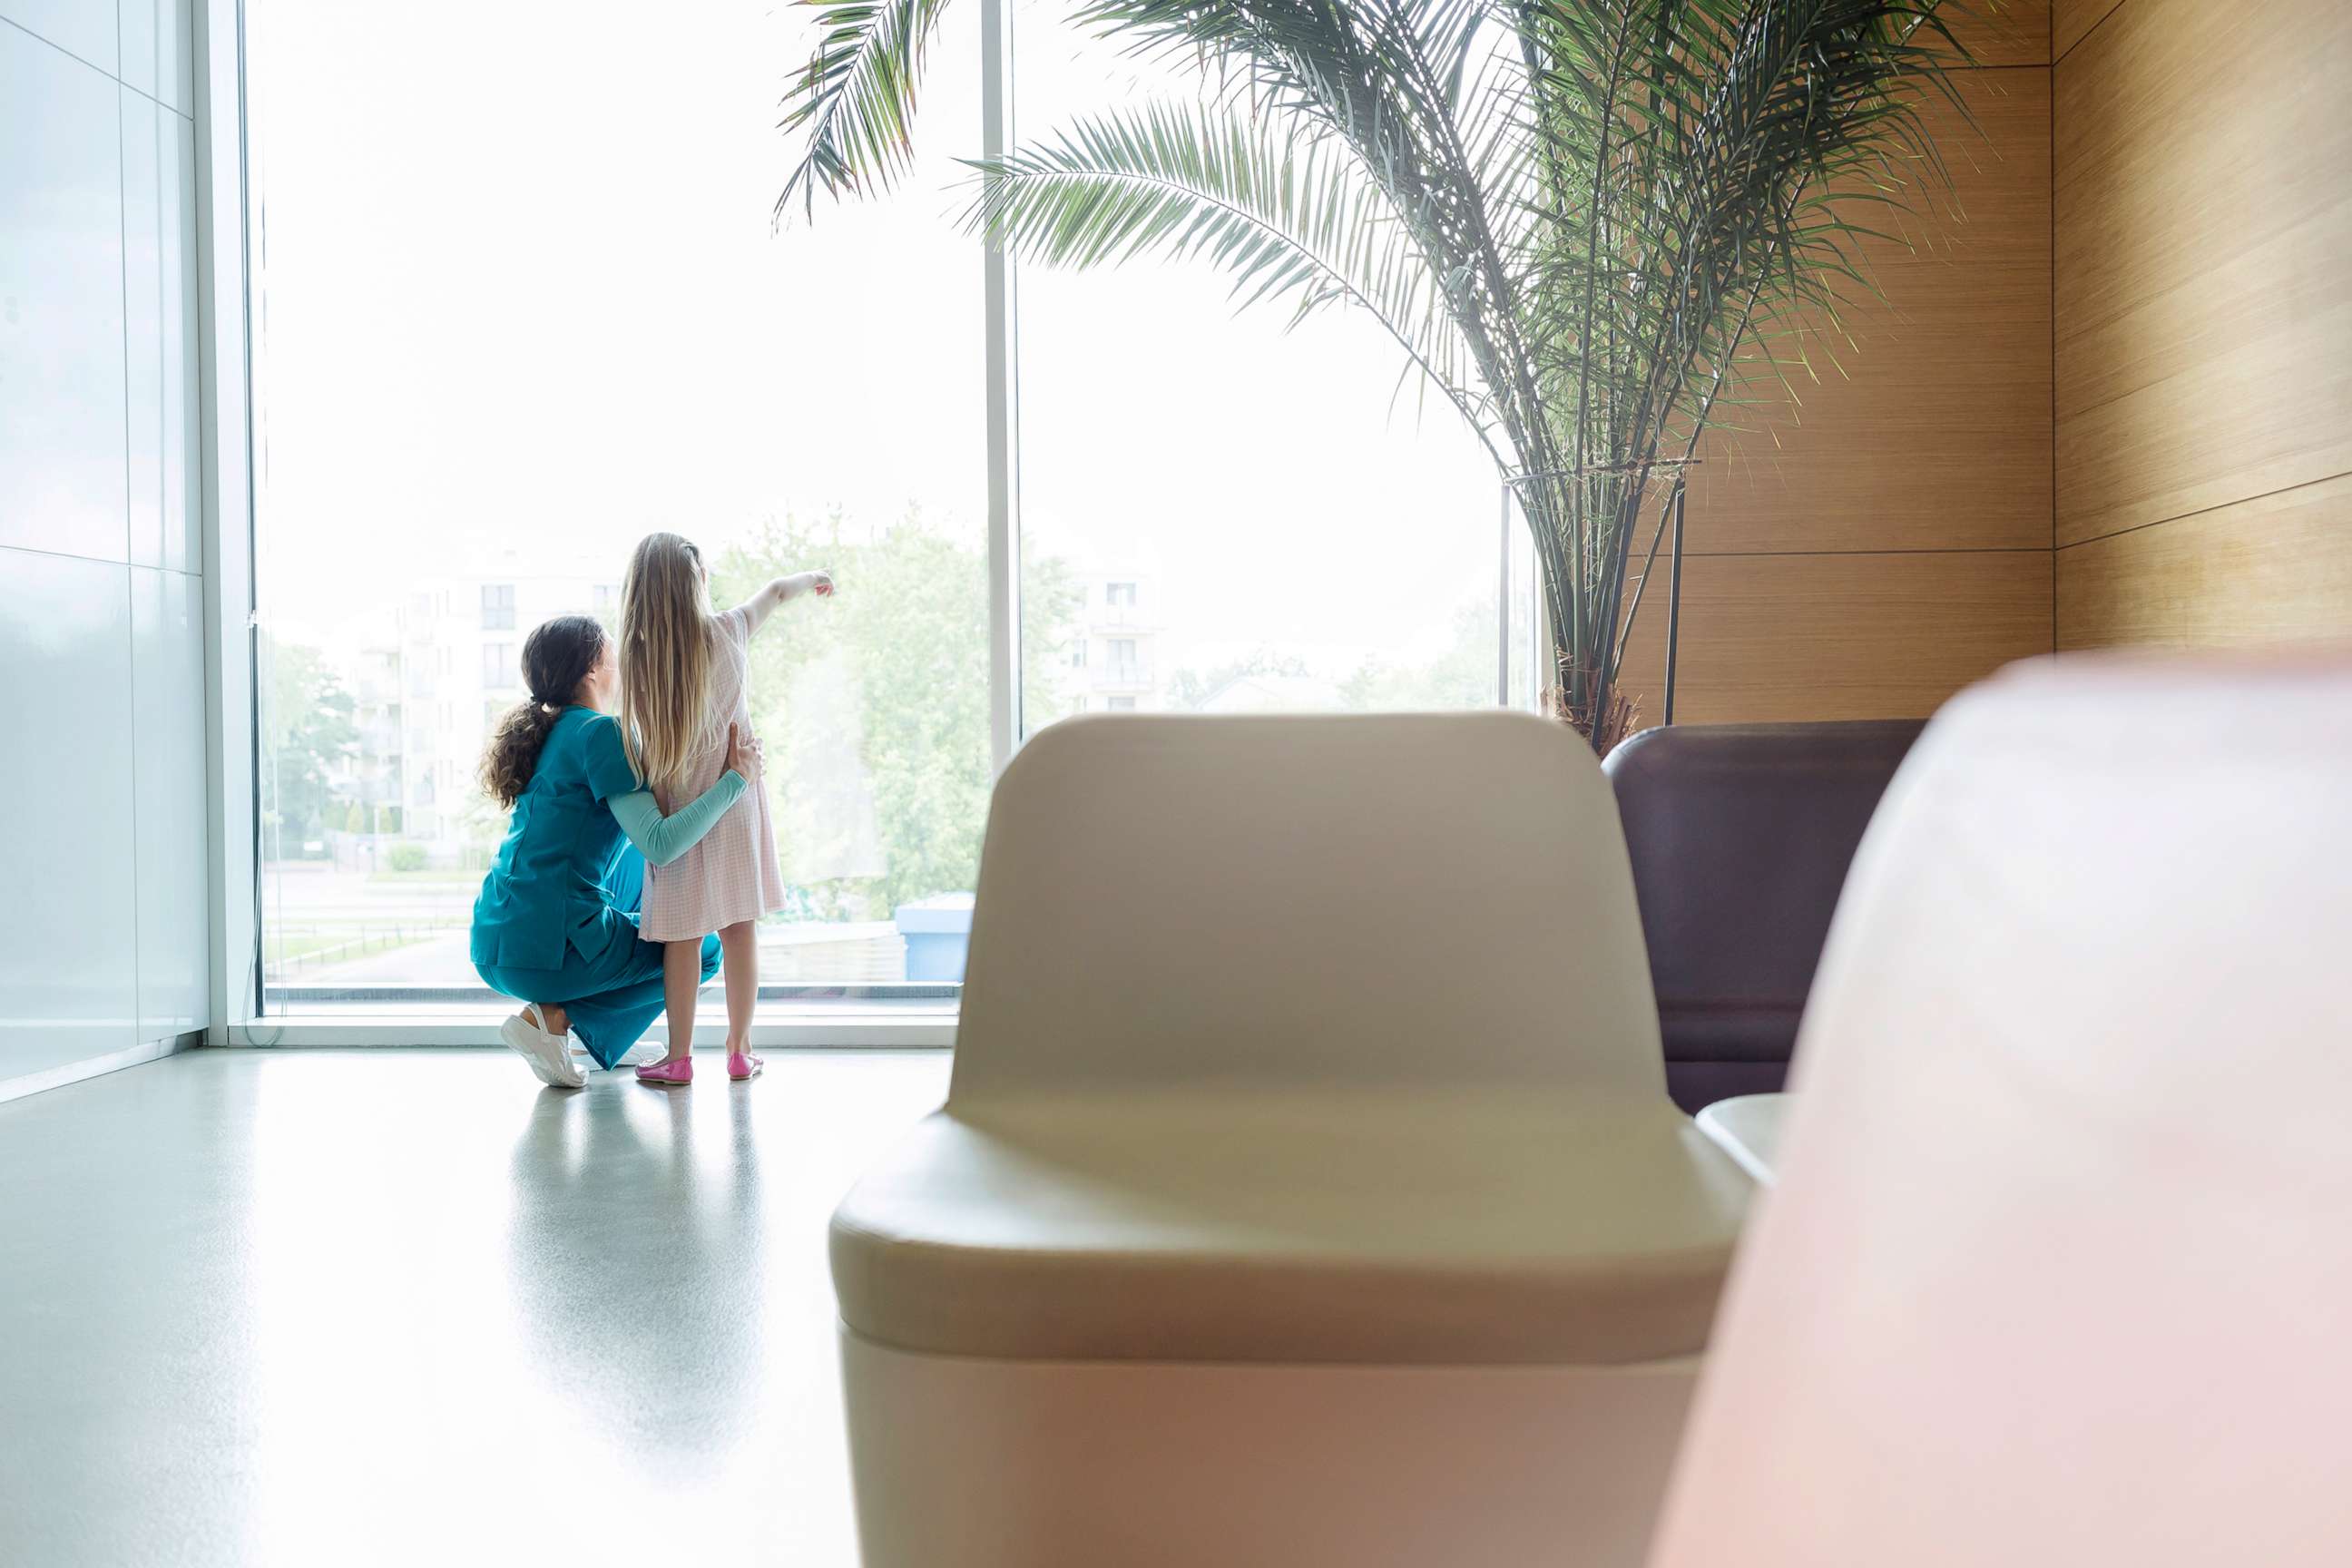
{"x":760,"y":605}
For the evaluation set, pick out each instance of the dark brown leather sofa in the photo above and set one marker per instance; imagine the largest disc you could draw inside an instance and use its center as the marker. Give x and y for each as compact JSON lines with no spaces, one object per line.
{"x":1740,"y":835}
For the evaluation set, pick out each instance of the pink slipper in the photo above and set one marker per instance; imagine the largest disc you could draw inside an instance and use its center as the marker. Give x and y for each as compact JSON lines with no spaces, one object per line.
{"x":741,"y":1065}
{"x":673,"y":1075}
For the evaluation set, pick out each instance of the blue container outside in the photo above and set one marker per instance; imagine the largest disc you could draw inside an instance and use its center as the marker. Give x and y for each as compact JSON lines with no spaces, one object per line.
{"x":938,"y":932}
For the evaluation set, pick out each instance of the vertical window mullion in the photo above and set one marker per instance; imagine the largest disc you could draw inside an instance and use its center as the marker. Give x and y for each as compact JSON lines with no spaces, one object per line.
{"x":225,"y":415}
{"x":1003,"y":363}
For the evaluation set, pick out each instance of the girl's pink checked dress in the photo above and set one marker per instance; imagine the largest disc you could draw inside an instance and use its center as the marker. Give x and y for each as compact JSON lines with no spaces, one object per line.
{"x":731,"y":875}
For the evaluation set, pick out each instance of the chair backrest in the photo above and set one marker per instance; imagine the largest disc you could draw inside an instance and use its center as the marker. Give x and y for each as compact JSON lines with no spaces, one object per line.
{"x":2060,"y":1260}
{"x":1296,"y":901}
{"x":1740,"y":835}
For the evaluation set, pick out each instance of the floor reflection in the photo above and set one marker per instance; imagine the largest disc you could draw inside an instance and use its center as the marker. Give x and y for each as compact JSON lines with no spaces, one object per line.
{"x":636,"y":1263}
{"x":389,"y":1306}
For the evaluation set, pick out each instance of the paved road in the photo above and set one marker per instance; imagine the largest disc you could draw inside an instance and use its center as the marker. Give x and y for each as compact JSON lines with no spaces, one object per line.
{"x":786,"y":956}
{"x":302,"y":895}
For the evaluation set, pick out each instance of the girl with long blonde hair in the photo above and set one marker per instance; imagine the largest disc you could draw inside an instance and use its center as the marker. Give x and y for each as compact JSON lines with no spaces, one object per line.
{"x":685,"y":682}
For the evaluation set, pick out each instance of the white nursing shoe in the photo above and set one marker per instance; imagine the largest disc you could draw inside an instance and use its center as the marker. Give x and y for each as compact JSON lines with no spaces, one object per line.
{"x":549,"y":1058}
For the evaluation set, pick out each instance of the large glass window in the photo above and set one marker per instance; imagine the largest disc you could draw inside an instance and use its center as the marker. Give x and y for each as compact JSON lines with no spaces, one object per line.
{"x":1243,"y":516}
{"x":518,"y":300}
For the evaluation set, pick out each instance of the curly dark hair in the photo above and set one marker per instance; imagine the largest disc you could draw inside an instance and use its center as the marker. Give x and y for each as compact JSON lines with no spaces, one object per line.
{"x":556,"y":658}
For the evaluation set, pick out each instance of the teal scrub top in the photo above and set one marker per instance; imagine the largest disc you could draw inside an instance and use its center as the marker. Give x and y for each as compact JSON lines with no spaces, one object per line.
{"x":548,"y":888}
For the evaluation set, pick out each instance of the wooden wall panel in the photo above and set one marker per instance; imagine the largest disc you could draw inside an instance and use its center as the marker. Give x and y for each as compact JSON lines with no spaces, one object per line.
{"x":1838,"y":636}
{"x":2275,"y":569}
{"x":2204,"y":259}
{"x":1892,"y":543}
{"x":2072,"y":20}
{"x":1932,"y":429}
{"x":2003,"y":32}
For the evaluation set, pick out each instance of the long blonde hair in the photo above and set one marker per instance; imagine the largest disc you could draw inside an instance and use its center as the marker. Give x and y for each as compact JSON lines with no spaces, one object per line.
{"x":665,"y":648}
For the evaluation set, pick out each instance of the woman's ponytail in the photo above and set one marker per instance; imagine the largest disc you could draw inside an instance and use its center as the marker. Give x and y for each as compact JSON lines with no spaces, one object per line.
{"x":512,"y":755}
{"x":556,"y":658}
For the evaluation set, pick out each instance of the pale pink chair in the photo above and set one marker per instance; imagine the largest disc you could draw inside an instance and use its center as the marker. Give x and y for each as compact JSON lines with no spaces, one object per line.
{"x":2058,"y":1266}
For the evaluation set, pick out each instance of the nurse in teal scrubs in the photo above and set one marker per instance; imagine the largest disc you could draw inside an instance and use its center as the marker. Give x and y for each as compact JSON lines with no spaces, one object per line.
{"x":556,"y":924}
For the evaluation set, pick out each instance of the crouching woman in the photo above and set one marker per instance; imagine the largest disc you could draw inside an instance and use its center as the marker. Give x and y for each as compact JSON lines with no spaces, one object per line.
{"x":556,"y":924}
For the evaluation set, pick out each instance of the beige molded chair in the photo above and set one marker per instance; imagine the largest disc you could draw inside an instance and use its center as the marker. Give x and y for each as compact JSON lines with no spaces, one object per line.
{"x":1307,"y":1194}
{"x":2056,"y":1271}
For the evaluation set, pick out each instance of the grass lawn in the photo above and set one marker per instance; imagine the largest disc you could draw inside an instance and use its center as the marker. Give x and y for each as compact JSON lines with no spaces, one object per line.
{"x":285,"y":948}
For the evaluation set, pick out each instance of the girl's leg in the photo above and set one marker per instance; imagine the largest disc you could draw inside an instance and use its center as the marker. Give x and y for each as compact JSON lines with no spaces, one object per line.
{"x":615,"y":1000}
{"x":740,"y":944}
{"x":681,"y":978}
{"x":549,"y":1015}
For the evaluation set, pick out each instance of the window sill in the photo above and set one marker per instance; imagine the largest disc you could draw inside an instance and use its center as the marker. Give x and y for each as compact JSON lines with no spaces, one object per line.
{"x":830,"y":1025}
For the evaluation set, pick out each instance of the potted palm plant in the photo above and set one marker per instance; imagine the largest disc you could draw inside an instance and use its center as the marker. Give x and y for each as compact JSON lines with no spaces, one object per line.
{"x":1573,"y":216}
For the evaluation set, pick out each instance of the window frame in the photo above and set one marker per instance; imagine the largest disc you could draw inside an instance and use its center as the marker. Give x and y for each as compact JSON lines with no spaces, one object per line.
{"x":232,"y":729}
{"x":235,"y":617}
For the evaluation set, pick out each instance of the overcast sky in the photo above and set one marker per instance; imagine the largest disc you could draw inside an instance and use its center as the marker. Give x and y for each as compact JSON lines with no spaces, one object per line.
{"x":521,"y":289}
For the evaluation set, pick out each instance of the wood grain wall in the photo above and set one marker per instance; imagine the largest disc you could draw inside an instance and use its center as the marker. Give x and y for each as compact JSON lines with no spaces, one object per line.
{"x":2072,"y":20}
{"x":1888,"y":539}
{"x":2204,"y":354}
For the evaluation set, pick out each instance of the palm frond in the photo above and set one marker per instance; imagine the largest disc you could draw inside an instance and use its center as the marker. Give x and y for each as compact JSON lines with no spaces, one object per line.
{"x":1574,"y":216}
{"x":1281,"y":209}
{"x":854,"y":101}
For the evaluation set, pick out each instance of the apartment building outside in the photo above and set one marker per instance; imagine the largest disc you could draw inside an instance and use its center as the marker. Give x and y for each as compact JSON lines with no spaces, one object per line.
{"x":1114,"y":660}
{"x":457,"y":663}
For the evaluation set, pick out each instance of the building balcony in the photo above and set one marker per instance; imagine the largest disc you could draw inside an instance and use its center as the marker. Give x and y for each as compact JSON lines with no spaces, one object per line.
{"x":1119,"y":622}
{"x":1128,"y":676}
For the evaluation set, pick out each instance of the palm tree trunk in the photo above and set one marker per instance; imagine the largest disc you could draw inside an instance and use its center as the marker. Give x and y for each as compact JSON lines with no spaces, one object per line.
{"x":1583,"y":590}
{"x":1560,"y":508}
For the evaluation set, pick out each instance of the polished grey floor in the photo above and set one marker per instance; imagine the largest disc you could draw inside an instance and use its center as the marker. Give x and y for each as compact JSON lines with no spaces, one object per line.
{"x":406,"y":1306}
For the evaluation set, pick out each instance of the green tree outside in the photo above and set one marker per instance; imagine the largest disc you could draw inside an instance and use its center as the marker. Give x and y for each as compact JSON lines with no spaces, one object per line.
{"x":1461,"y":676}
{"x":308,"y":728}
{"x":1191,"y":690}
{"x":874,"y":706}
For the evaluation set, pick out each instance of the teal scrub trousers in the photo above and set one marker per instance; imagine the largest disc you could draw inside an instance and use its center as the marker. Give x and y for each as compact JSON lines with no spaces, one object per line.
{"x":613,"y":998}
